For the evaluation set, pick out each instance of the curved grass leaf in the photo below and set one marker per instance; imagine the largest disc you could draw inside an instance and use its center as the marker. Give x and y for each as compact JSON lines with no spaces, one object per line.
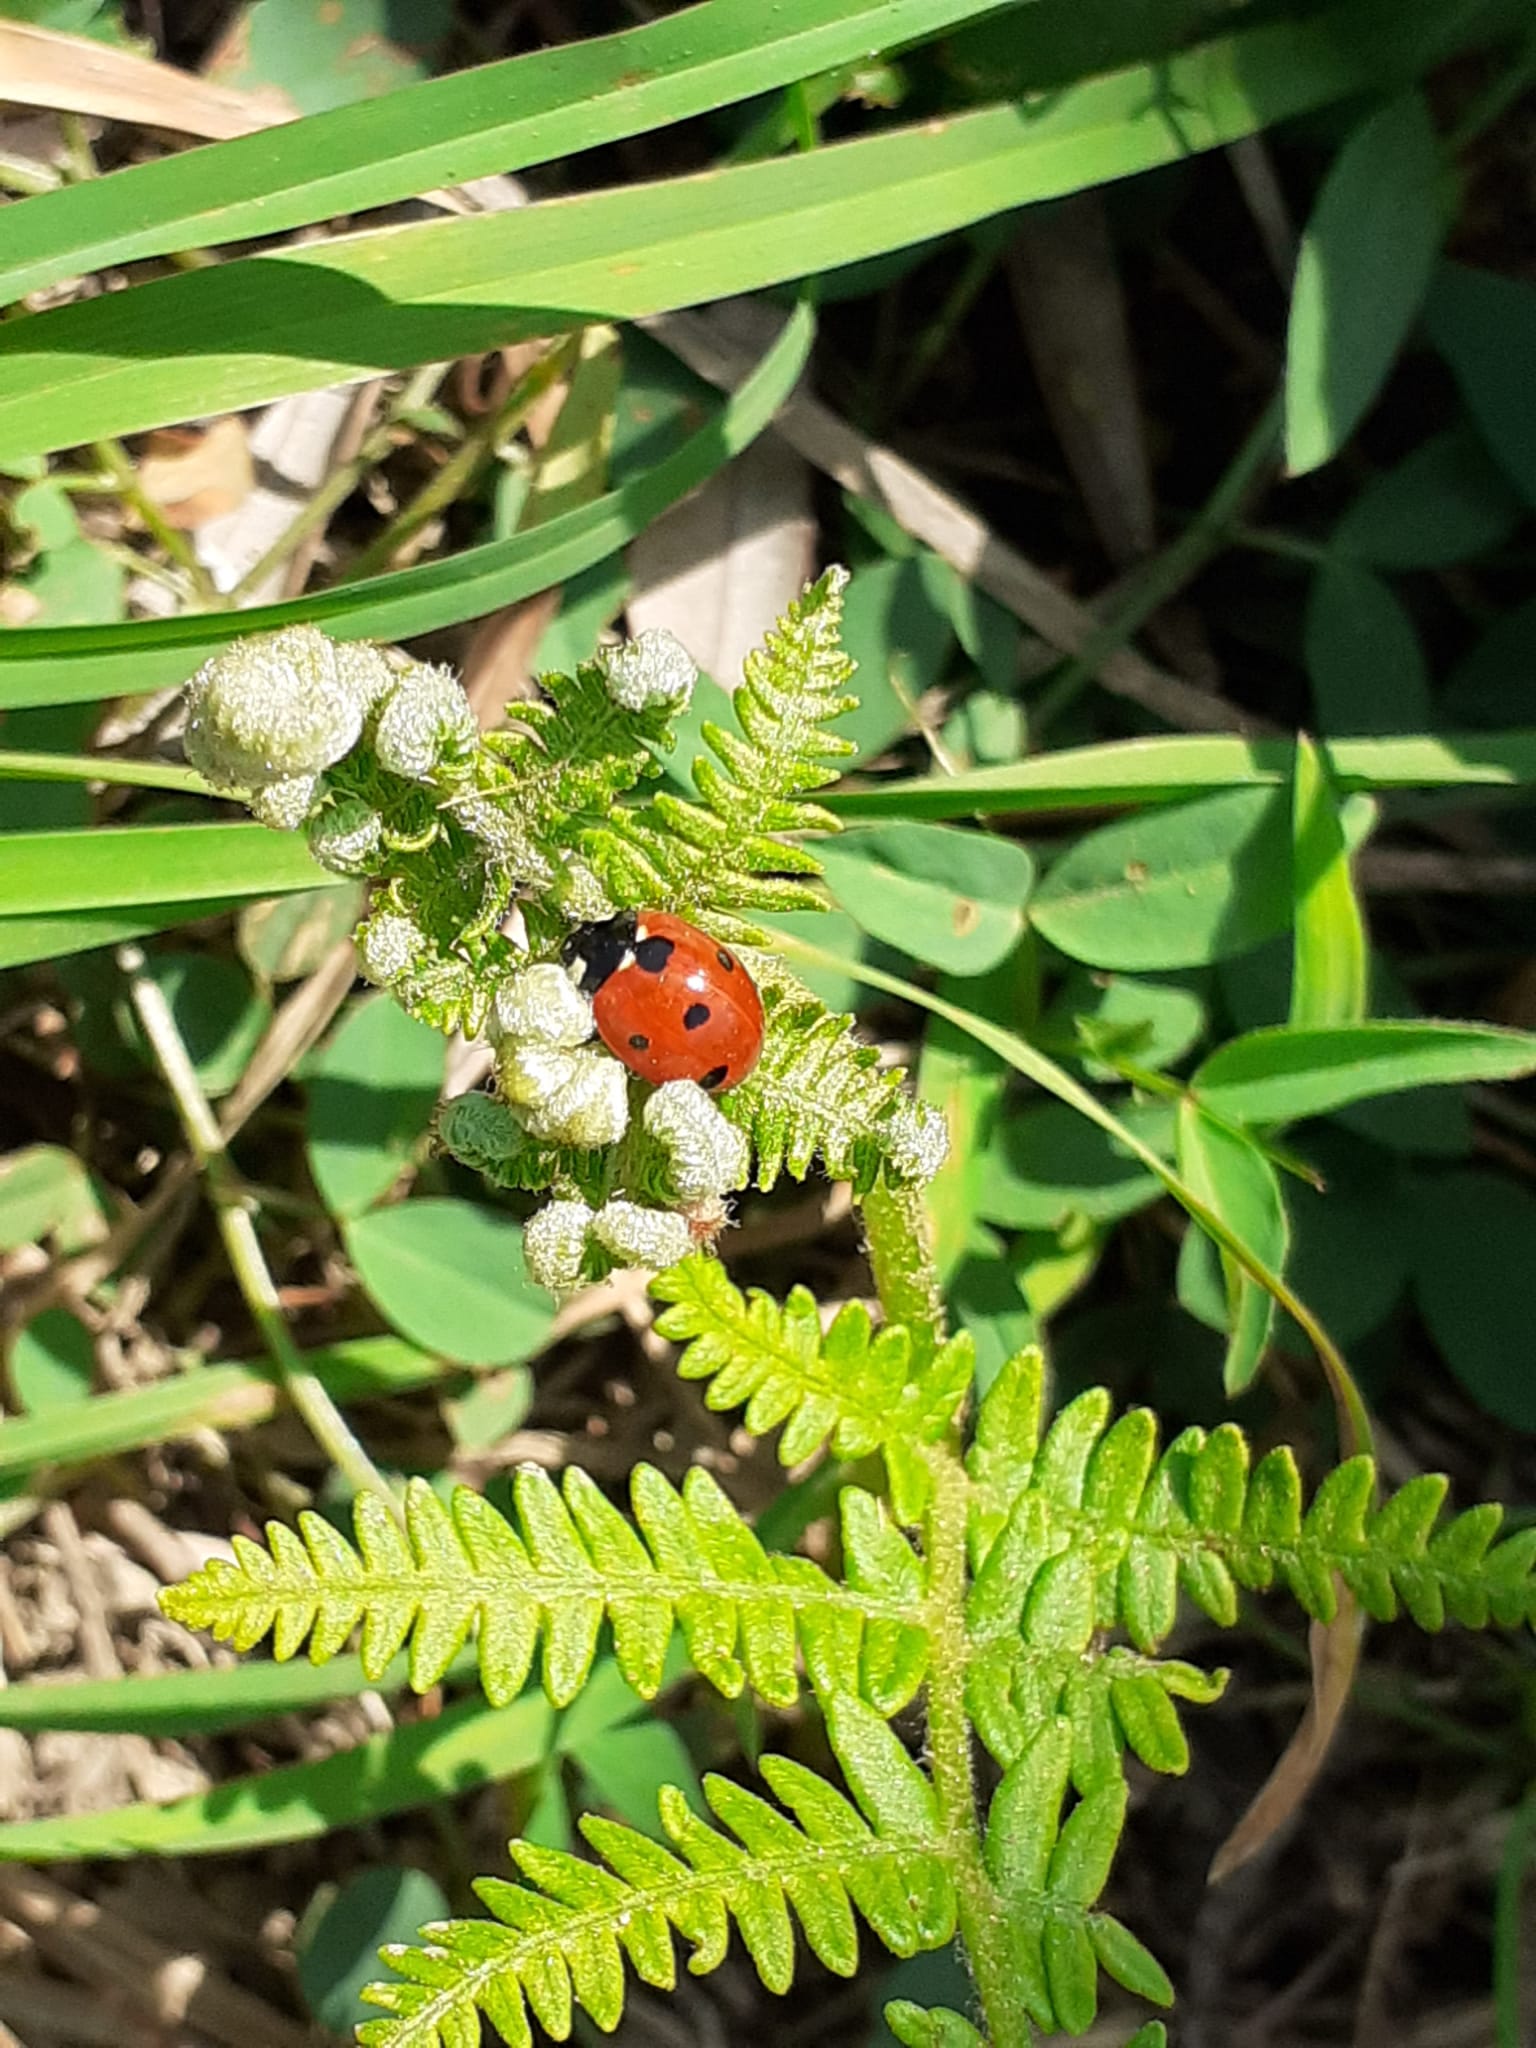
{"x":1227,"y":1168}
{"x":221,"y":1397}
{"x":1281,"y":1075}
{"x":45,"y":873}
{"x":71,"y":665}
{"x":426,"y":1761}
{"x":499,"y":117}
{"x":1172,"y":769}
{"x":238,"y":334}
{"x":1330,"y":957}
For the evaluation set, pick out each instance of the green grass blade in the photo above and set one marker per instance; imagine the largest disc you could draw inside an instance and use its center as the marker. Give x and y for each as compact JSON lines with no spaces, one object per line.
{"x":43,"y":873}
{"x":178,"y":1704}
{"x":1167,"y":770}
{"x":68,"y":665}
{"x":1330,"y":955}
{"x":237,"y":334}
{"x":24,"y":940}
{"x":501,"y":117}
{"x":471,"y":1744}
{"x":224,"y":1397}
{"x":17,"y":765}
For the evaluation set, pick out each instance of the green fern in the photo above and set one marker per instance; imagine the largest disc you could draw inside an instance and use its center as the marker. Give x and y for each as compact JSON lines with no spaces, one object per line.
{"x":1051,"y":1568}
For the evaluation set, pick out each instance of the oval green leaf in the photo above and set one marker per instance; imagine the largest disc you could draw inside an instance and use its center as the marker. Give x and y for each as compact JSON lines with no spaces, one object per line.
{"x":449,"y":1275}
{"x":371,"y":1094}
{"x":1280,"y":1076}
{"x":953,"y":899}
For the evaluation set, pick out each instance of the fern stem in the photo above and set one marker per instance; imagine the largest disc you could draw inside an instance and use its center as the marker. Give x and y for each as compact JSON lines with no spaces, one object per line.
{"x":901,"y":1259}
{"x":949,"y":1759}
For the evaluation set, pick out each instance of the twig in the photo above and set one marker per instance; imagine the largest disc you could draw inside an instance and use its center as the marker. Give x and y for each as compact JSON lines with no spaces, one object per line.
{"x":234,"y":1210}
{"x":951,"y":529}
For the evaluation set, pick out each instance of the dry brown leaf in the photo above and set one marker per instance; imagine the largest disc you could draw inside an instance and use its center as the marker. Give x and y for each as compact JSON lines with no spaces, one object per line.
{"x":39,"y":67}
{"x":194,"y":476}
{"x":1335,"y":1652}
{"x":720,"y":568}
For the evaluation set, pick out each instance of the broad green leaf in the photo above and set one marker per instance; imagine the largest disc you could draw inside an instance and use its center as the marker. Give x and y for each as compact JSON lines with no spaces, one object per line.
{"x":219,"y":1397}
{"x":1047,"y":1165}
{"x":449,"y":1275}
{"x":987,"y":1301}
{"x":953,"y":899}
{"x":1330,"y":958}
{"x":1283,"y":1075}
{"x":490,"y":1408}
{"x":44,"y":873}
{"x":468,"y":1744}
{"x":52,"y":1359}
{"x":324,"y":57}
{"x":1178,"y":887}
{"x":288,"y":937}
{"x":240,"y":333}
{"x":372,"y":1090}
{"x":965,"y":1082}
{"x":499,"y":117}
{"x":901,"y":640}
{"x":1474,"y":1249}
{"x":1154,"y":1023}
{"x":67,"y":666}
{"x":219,"y":1014}
{"x":336,"y":1949}
{"x":1228,"y":1171}
{"x":1350,"y":1241}
{"x":1361,"y":274}
{"x":1363,"y":656}
{"x":46,"y":1192}
{"x":625,"y":1769}
{"x":1485,"y":327}
{"x":1169,"y":770}
{"x":1444,"y":503}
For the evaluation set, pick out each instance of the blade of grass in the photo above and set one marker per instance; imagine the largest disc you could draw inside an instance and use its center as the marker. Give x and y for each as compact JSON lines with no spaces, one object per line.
{"x":500,"y":117}
{"x":226,"y":1397}
{"x":1167,"y":769}
{"x":177,"y":1704}
{"x":68,"y":665}
{"x":470,"y":1744}
{"x":16,"y":765}
{"x":240,"y":333}
{"x":44,"y":873}
{"x":25,"y":939}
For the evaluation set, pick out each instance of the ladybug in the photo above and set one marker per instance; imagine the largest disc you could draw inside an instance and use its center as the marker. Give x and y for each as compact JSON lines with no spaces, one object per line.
{"x":670,"y":1002}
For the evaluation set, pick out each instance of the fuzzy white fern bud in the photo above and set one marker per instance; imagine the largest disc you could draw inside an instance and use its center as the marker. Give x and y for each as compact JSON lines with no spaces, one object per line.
{"x":278,"y":706}
{"x":285,"y":805}
{"x":555,"y":1243}
{"x":637,"y":1236}
{"x":388,"y":946}
{"x":707,"y":1154}
{"x":566,"y":1098}
{"x":653,"y":668}
{"x":425,"y":717}
{"x":541,"y":1003}
{"x":347,"y":838}
{"x":916,"y":1140}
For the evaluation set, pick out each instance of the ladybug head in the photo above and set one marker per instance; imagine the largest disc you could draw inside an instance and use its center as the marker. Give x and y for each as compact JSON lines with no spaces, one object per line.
{"x":595,"y":951}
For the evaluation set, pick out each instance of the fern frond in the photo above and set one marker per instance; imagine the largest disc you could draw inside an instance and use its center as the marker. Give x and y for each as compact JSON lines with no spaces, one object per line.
{"x":1048,"y":1875}
{"x":849,"y":1389}
{"x":571,"y":758}
{"x":571,"y":1561}
{"x":562,"y":1936}
{"x":725,"y":854}
{"x":1087,"y":1528}
{"x":816,"y":1092}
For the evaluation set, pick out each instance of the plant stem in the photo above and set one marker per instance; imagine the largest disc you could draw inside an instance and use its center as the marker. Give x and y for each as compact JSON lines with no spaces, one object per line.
{"x":113,"y":457}
{"x":906,"y":1279}
{"x":234,"y":1210}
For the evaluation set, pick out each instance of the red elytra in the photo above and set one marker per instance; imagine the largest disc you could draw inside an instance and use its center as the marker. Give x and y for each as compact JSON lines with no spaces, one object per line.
{"x":670,"y":1002}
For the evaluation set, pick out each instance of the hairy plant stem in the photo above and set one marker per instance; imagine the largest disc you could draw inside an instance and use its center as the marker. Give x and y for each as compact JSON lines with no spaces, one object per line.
{"x":233,"y":1209}
{"x":907,"y":1282}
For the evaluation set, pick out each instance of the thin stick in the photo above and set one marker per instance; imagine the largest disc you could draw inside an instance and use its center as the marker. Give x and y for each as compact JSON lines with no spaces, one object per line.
{"x":235,"y":1212}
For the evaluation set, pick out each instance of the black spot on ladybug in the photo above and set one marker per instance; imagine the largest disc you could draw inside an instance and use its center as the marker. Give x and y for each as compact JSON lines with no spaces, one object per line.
{"x":652,"y":954}
{"x":727,"y":960}
{"x":714,"y":1077}
{"x":639,"y":1041}
{"x":695,"y":1015}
